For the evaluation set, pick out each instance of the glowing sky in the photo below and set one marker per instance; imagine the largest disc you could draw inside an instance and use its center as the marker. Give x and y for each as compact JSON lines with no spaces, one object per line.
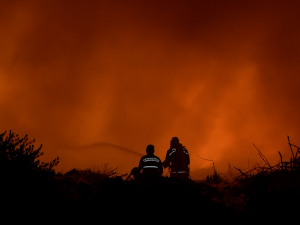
{"x":84,"y":77}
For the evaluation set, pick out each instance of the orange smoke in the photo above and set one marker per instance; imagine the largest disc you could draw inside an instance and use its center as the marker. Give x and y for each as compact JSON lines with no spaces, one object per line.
{"x":218,"y":76}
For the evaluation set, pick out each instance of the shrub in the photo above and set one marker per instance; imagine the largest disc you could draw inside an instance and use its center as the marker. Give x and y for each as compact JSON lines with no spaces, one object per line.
{"x":215,"y":178}
{"x":19,"y":159}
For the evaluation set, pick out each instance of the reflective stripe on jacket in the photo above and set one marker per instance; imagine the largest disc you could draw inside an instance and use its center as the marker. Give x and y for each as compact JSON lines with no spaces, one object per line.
{"x":151,"y":164}
{"x":174,"y":163}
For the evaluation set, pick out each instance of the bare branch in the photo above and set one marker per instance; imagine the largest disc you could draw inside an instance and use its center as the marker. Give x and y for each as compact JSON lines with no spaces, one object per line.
{"x":262,"y":156}
{"x":281,"y":160}
{"x":208,"y":160}
{"x":245,"y":174}
{"x":298,"y":149}
{"x":112,"y":172}
{"x":291,"y":148}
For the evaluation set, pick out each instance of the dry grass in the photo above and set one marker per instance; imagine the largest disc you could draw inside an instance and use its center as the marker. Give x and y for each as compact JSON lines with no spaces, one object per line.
{"x":293,"y":165}
{"x":91,"y":175}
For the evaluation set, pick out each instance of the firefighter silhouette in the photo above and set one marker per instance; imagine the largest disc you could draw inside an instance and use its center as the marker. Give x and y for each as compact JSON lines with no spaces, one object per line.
{"x":150,"y":164}
{"x":177,"y":160}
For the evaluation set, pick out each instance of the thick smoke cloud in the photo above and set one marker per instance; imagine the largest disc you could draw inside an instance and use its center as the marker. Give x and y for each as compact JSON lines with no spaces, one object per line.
{"x":218,"y":75}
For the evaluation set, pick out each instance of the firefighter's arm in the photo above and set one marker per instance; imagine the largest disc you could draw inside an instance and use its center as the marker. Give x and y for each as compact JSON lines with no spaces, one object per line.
{"x":187,"y":156}
{"x":141,"y":165}
{"x":160,"y":168}
{"x":166,"y":163}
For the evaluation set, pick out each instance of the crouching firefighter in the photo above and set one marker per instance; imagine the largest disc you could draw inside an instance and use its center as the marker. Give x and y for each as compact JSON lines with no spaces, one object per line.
{"x":178,"y":160}
{"x":150,"y":164}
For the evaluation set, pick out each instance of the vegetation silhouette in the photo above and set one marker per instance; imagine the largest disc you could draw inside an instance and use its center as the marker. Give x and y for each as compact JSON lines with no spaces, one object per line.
{"x":272,"y":189}
{"x":19,"y":158}
{"x":25,"y":180}
{"x":216,"y":177}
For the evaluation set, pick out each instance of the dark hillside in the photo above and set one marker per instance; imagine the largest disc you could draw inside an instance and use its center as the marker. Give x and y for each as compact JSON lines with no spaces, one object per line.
{"x":32,"y":191}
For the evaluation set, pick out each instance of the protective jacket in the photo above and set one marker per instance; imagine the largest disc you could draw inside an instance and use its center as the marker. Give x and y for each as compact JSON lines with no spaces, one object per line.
{"x":178,"y":160}
{"x":151,"y":164}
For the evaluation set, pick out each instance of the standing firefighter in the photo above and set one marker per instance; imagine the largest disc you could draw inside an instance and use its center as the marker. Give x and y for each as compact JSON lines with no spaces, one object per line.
{"x":178,"y":160}
{"x":150,"y":164}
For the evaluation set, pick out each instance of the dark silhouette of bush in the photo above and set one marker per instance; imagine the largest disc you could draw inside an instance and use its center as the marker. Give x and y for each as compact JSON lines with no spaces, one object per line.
{"x":26,"y":184}
{"x":215,"y":178}
{"x":272,"y":189}
{"x":19,"y":159}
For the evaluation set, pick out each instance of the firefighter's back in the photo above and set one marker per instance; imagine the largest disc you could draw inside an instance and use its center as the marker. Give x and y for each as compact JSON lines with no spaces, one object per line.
{"x":179,"y":163}
{"x":150,"y":164}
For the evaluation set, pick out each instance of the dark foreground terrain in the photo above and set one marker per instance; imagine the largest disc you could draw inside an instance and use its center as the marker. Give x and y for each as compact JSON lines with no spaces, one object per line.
{"x":70,"y":198}
{"x":115,"y":201}
{"x":32,"y":193}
